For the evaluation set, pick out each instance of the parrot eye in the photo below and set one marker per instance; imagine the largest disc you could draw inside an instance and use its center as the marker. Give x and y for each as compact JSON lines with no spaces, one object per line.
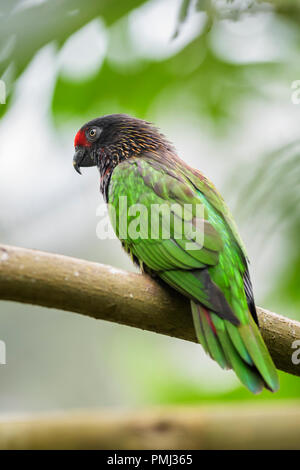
{"x":93,"y":134}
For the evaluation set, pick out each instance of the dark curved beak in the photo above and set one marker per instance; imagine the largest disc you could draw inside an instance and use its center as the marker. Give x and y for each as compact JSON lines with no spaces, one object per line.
{"x":82,"y":157}
{"x":78,"y":157}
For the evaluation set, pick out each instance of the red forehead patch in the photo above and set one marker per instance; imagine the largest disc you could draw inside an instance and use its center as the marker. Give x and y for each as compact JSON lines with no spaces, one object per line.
{"x":80,"y":139}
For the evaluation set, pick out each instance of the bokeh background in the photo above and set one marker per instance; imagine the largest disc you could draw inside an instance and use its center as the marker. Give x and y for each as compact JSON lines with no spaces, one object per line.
{"x":217,"y":78}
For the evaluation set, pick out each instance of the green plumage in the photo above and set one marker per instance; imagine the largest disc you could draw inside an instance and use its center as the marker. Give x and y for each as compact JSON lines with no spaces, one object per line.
{"x":198,"y":253}
{"x":212,"y":276}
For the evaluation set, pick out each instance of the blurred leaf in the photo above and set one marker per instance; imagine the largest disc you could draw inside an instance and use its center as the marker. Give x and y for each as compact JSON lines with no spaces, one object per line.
{"x":278,"y":170}
{"x":271,"y":199}
{"x":202,"y":5}
{"x":52,"y":20}
{"x":183,"y":13}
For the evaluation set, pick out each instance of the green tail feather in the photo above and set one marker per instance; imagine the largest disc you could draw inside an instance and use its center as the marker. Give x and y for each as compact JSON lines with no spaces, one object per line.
{"x":247,"y":375}
{"x":259,"y":353}
{"x":198,"y":327}
{"x":206,"y":335}
{"x":238,"y":347}
{"x":236,"y":339}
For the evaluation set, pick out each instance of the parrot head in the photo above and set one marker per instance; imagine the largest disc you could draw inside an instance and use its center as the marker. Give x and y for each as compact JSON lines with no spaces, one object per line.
{"x":106,"y":141}
{"x":88,"y":143}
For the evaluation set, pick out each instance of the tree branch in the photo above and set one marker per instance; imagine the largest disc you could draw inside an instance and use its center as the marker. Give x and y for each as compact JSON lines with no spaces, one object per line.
{"x":106,"y":293}
{"x":218,"y":427}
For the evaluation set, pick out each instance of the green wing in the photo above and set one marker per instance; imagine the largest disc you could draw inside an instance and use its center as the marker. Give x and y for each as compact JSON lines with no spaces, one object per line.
{"x":215,"y":199}
{"x":201,"y":257}
{"x":179,"y":259}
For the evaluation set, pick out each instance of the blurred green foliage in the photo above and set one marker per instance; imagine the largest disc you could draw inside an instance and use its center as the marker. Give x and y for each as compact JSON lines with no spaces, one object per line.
{"x":192,"y":70}
{"x":275,"y":188}
{"x":204,"y":83}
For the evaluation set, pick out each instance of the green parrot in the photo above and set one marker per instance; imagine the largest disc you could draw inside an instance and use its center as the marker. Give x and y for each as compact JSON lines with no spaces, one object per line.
{"x":202,"y":255}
